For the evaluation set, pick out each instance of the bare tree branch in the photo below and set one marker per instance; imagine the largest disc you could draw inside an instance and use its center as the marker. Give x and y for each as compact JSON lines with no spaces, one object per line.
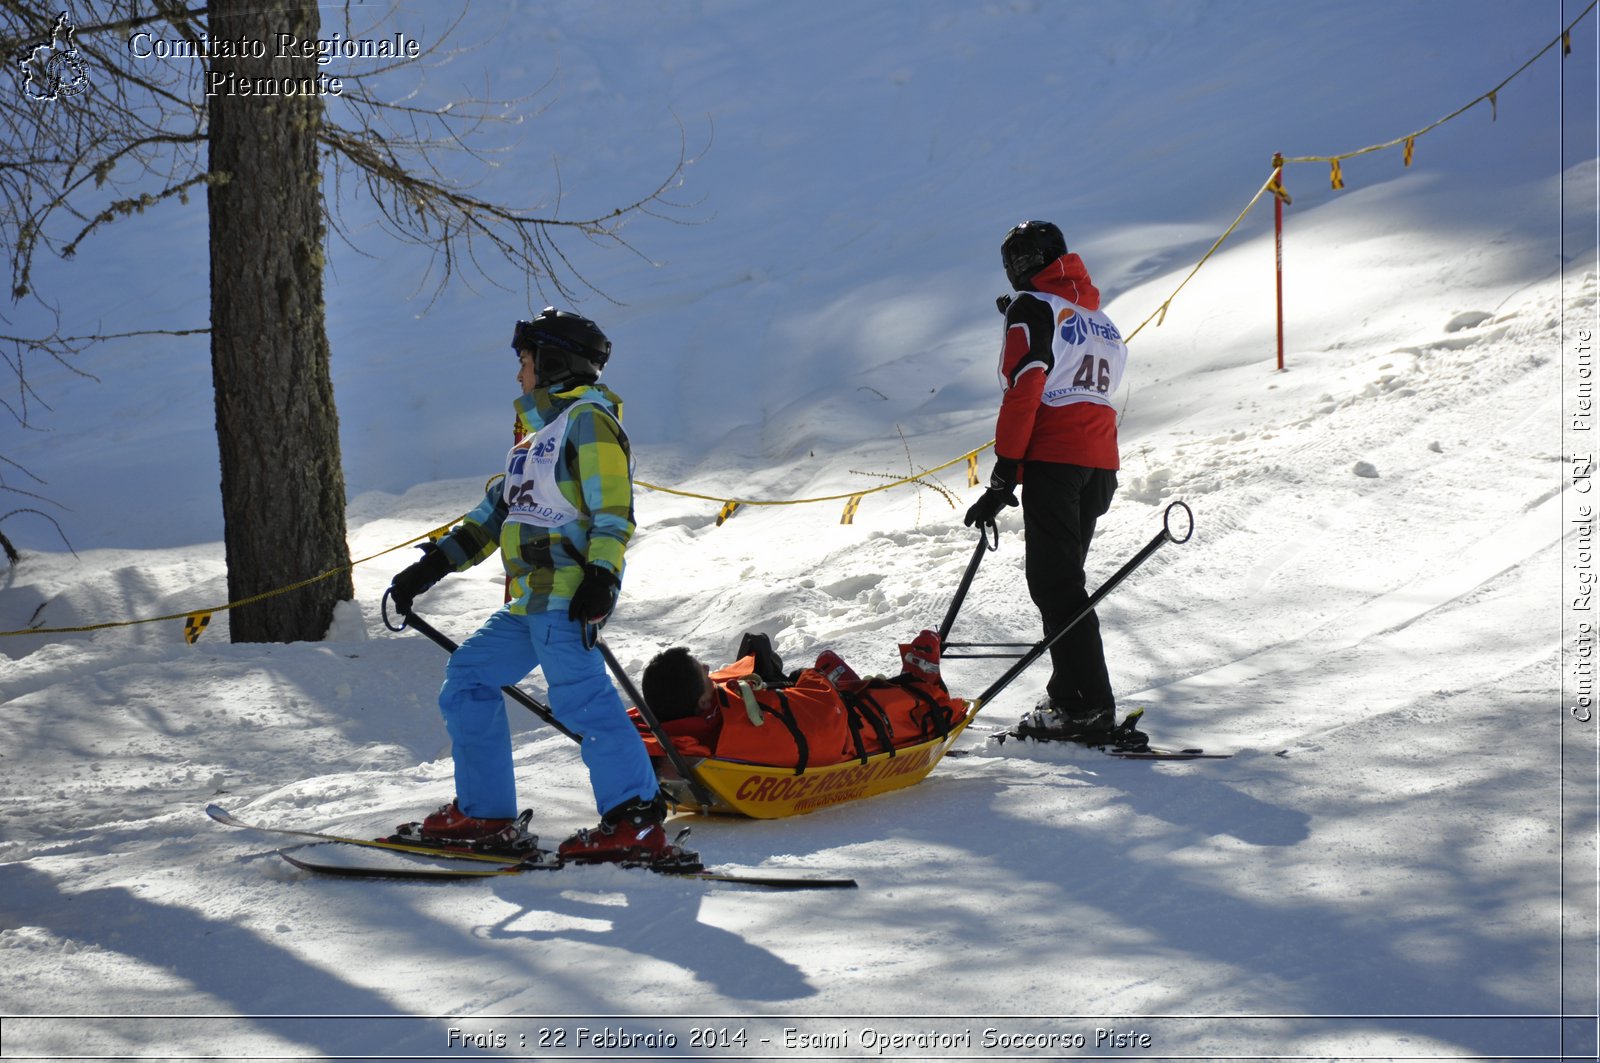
{"x":139,"y":141}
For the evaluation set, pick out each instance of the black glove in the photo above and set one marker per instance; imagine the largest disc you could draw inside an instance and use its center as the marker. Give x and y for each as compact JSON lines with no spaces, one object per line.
{"x":1001,"y":493}
{"x":988,"y":506}
{"x":595,"y":597}
{"x":418,"y":578}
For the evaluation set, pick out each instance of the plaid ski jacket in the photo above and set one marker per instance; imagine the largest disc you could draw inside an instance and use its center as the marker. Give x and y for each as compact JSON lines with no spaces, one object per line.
{"x":545,"y":565}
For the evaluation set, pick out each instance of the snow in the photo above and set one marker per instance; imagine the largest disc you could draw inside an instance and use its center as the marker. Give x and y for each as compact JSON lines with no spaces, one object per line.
{"x":1399,"y":861}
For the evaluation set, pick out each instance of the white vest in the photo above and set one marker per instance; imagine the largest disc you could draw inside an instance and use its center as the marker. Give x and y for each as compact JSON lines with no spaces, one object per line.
{"x":530,"y":490}
{"x":1089,"y":354}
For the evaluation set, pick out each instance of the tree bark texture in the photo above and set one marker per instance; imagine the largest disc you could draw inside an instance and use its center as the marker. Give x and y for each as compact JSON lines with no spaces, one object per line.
{"x":283,"y":495}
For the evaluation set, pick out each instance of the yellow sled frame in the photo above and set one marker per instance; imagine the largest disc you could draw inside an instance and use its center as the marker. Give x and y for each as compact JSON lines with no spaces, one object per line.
{"x":761,"y":791}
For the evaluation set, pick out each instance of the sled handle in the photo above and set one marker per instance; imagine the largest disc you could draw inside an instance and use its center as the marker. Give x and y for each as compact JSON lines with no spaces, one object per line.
{"x":444,"y":642}
{"x":984,"y":546}
{"x":676,"y":759}
{"x":1188,"y":528}
{"x":1161,"y":538}
{"x":383,"y":607}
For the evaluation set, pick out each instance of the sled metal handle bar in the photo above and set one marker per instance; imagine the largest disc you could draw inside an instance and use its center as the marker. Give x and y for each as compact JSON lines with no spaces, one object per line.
{"x":538,"y":708}
{"x":1167,"y":534}
{"x":988,"y":645}
{"x":1024,"y":647}
{"x":984,"y":546}
{"x":676,"y":759}
{"x":1018,"y":648}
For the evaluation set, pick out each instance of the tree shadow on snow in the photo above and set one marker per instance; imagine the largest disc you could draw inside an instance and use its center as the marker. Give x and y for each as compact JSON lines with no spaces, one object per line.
{"x":247,"y":976}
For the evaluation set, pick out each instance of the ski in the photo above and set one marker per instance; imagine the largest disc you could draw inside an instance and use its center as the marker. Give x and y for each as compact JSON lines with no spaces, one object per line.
{"x":408,"y":860}
{"x":1022,"y":730}
{"x":1165,"y":754}
{"x":442,"y":867}
{"x":228,"y":819}
{"x":1152,"y":753}
{"x":398,"y":864}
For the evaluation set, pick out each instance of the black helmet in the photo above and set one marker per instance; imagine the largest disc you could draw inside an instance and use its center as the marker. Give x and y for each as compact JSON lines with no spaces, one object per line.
{"x":1028,"y":248}
{"x":567,"y":348}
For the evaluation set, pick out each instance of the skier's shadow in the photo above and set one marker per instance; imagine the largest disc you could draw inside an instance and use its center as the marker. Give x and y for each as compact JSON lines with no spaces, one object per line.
{"x":661,"y":920}
{"x":1201,"y":804}
{"x":1208,"y":807}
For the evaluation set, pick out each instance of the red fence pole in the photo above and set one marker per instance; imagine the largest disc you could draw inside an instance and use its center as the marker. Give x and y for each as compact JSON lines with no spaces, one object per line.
{"x":1278,"y":197}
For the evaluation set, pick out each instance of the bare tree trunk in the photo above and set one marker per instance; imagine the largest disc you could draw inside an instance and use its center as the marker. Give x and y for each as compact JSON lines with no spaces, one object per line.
{"x":282,"y":481}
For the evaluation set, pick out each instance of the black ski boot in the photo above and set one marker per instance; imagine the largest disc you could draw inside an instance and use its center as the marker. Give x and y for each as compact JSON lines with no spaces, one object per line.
{"x":1096,"y":729}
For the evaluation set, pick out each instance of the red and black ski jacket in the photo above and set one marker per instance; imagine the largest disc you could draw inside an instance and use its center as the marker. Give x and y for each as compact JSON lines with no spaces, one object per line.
{"x":1027,"y":429}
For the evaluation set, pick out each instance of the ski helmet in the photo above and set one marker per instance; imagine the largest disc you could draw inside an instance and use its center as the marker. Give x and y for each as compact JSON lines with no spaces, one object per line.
{"x":1028,"y":248}
{"x":567,"y":348}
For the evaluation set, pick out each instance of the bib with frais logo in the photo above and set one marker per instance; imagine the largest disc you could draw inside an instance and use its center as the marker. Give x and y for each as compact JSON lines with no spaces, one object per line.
{"x":1089,"y":354}
{"x":531,"y":488}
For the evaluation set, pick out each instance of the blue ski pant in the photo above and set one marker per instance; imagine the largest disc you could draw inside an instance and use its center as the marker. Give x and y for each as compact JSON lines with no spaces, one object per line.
{"x":504,"y":650}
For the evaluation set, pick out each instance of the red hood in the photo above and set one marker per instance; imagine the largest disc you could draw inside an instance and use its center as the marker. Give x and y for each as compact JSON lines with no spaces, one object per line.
{"x":1068,"y":277}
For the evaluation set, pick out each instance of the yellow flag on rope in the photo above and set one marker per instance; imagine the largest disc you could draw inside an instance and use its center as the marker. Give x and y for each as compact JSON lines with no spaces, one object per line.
{"x":1338,"y":176}
{"x":728,"y":510}
{"x":850,"y":508}
{"x":972,"y":469}
{"x":193,"y":625}
{"x":1411,"y":143}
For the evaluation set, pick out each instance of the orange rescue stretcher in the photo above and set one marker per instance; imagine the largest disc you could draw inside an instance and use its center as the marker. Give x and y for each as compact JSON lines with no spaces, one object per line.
{"x":762,"y":791}
{"x":807,"y":745}
{"x":695,"y":779}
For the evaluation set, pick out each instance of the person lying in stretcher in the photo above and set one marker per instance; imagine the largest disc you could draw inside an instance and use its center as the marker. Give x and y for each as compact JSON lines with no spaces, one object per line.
{"x":752,"y":712}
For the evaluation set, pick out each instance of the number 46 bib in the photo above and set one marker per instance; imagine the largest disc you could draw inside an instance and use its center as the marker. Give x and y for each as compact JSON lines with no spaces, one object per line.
{"x":1089,"y":354}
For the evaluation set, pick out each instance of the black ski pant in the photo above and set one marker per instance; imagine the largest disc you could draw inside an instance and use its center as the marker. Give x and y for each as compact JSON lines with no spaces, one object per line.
{"x":1060,"y":505}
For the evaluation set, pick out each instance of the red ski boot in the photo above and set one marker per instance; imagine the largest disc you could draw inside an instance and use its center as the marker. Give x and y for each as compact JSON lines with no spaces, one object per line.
{"x":920,"y":656}
{"x":450,"y":828}
{"x":631,"y":833}
{"x":838,"y":672}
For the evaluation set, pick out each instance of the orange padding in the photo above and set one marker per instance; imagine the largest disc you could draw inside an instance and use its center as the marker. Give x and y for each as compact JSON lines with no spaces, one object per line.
{"x":909,"y":710}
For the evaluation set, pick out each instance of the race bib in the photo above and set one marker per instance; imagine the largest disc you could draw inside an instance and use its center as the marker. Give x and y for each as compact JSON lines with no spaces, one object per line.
{"x":1090,"y":356}
{"x":531,"y":491}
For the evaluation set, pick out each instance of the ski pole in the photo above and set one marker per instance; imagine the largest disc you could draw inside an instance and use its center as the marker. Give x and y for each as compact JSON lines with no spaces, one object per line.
{"x":1164,"y":536}
{"x":984,"y":546}
{"x":679,"y":764}
{"x":538,"y":708}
